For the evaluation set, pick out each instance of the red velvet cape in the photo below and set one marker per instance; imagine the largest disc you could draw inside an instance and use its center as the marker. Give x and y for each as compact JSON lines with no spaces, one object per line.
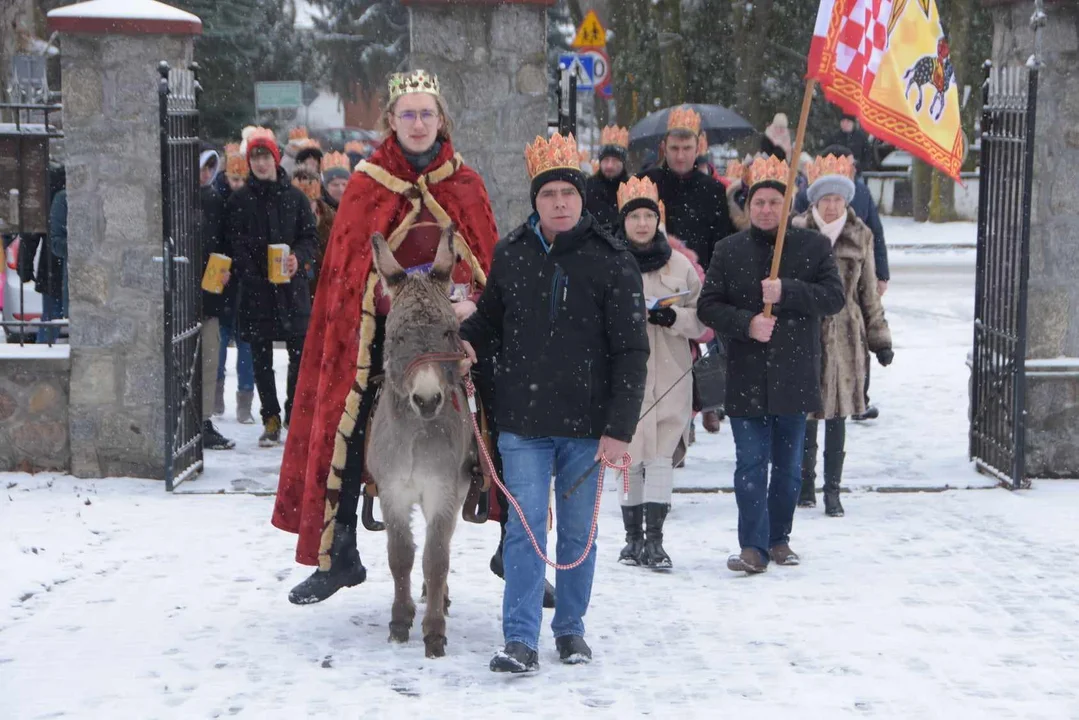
{"x":328,"y":367}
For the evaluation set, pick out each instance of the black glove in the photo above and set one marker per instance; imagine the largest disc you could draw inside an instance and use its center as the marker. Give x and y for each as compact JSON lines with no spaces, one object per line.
{"x":664,"y":316}
{"x":885,"y":357}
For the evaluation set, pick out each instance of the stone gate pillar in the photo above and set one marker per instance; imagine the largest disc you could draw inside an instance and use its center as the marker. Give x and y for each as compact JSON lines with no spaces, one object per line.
{"x":1053,"y":301}
{"x":109,"y":59}
{"x":491,"y":61}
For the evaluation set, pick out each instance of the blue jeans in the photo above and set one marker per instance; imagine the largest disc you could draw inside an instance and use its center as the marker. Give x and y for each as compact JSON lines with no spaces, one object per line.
{"x":51,"y":309}
{"x":528,"y":464}
{"x":766,"y":511}
{"x":245,"y":367}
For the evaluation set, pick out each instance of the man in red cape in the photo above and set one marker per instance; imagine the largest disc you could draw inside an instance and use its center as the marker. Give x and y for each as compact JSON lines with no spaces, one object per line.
{"x":388,"y":196}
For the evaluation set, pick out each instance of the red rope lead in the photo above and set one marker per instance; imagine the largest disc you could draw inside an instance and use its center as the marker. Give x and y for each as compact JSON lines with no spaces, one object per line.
{"x":622,"y":467}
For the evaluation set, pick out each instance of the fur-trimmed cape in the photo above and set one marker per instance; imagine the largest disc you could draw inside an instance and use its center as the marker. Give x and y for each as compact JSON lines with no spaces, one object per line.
{"x":385,"y":195}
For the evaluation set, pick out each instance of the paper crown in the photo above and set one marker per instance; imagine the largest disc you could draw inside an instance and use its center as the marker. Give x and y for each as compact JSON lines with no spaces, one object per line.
{"x":309,"y":186}
{"x":356,"y":146}
{"x":830,"y":165}
{"x":413,"y":82}
{"x":335,"y":160}
{"x":297,"y":133}
{"x":636,"y":188}
{"x":236,"y":164}
{"x":614,"y":135}
{"x":684,"y":118}
{"x":558,"y":152}
{"x":232,"y":148}
{"x":768,"y":169}
{"x":304,"y":143}
{"x":736,"y":170}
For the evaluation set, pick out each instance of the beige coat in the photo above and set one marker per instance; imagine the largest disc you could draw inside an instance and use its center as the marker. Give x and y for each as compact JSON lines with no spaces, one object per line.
{"x":861,"y":322}
{"x":659,"y":431}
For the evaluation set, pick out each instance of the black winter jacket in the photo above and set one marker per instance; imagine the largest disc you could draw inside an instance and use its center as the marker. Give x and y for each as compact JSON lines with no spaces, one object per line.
{"x":213,"y":241}
{"x":602,"y":200}
{"x":261,"y":214}
{"x":696,"y":206}
{"x":781,"y":377}
{"x":567,"y":330}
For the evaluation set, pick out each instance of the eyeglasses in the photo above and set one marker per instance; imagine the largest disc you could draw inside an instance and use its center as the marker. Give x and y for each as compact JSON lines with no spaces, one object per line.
{"x":410,"y":116}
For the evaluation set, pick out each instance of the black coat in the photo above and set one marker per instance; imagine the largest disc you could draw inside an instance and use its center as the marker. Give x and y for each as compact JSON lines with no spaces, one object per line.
{"x":857,"y":141}
{"x":781,"y":377}
{"x":865,"y":208}
{"x":261,"y":214}
{"x":213,"y":241}
{"x":567,"y":330}
{"x":602,"y":200}
{"x":696,"y":206}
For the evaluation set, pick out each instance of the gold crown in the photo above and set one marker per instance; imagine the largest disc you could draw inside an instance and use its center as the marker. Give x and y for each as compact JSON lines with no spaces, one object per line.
{"x":311,"y":187}
{"x":305,"y":143}
{"x":415,"y":81}
{"x":830,"y":165}
{"x":297,"y":133}
{"x":614,"y":135}
{"x":232,"y":148}
{"x":558,"y":152}
{"x":684,"y":118}
{"x":236,"y":164}
{"x":335,"y":160}
{"x":636,"y":188}
{"x":768,"y":169}
{"x":736,"y":170}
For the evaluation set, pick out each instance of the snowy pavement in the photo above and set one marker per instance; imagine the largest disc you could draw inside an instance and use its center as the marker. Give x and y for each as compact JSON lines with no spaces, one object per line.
{"x":122,"y":602}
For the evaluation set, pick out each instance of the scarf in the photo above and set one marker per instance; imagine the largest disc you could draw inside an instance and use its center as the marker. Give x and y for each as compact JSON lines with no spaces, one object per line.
{"x":653,"y":256}
{"x":832,"y":229}
{"x":420,"y":161}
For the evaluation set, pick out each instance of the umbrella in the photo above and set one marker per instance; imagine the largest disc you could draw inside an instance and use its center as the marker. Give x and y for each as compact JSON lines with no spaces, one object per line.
{"x":720,"y":124}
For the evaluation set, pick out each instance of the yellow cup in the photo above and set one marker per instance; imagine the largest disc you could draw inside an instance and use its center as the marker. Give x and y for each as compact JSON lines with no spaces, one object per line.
{"x":278,"y":262}
{"x":212,"y":282}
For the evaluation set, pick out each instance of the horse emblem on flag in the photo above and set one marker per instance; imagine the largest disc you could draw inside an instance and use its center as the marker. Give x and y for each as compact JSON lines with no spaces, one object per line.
{"x":931,"y":70}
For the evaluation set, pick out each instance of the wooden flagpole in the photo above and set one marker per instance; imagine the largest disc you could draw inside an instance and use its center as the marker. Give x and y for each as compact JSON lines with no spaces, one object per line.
{"x":788,"y":196}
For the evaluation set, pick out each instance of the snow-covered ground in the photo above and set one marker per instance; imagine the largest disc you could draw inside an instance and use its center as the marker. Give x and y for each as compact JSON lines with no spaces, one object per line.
{"x":120,"y":601}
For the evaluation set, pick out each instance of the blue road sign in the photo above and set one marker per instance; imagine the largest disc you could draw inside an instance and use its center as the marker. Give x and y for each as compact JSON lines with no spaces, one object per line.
{"x":581,"y":66}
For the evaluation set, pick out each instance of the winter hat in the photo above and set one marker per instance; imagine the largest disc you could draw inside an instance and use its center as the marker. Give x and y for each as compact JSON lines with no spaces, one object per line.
{"x":553,"y":160}
{"x":638,"y":193}
{"x":770,"y":172}
{"x":615,"y":143}
{"x":263,"y":138}
{"x":778,"y":136}
{"x":309,"y":149}
{"x":208,"y":156}
{"x":831,"y":175}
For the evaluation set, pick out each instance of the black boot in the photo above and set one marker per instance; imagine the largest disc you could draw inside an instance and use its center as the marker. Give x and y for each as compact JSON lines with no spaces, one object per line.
{"x":833,"y":476}
{"x":807,"y":498}
{"x":633,"y":519}
{"x":515,"y":658}
{"x":653,"y":555}
{"x":213,"y":440}
{"x":346,"y":570}
{"x":499,"y":569}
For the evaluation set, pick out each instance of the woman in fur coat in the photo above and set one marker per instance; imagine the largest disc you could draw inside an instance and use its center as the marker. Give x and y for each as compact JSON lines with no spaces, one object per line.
{"x":844,"y":336}
{"x":671,"y":324}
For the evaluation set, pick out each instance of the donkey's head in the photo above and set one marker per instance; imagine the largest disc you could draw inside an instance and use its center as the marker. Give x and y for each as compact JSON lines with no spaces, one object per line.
{"x":421,"y":324}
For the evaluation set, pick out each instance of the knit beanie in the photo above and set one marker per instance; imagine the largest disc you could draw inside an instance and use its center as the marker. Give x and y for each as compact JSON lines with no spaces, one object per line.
{"x":264,"y":143}
{"x":831,"y":185}
{"x":573,"y":176}
{"x":615,"y":151}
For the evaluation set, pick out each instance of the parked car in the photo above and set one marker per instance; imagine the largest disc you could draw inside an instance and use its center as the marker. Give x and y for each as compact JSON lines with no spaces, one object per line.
{"x":22,"y":301}
{"x":334,"y":139}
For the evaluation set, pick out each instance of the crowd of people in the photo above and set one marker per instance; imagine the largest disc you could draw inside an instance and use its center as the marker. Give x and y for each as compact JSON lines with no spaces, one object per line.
{"x":582,"y":327}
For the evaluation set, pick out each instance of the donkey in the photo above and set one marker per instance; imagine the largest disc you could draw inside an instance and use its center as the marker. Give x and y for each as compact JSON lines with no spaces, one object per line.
{"x":421,"y":450}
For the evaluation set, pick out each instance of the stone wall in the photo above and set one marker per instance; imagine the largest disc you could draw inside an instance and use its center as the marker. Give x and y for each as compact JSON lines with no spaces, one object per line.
{"x":1053,"y":305}
{"x":34,"y":412}
{"x":114,"y":202}
{"x":491,"y":63}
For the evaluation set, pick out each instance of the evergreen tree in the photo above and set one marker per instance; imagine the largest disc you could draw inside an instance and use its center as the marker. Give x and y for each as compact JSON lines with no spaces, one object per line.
{"x":363,"y":41}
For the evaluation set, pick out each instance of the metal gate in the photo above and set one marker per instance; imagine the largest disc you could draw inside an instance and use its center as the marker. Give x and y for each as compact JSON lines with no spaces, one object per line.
{"x":998,"y":392}
{"x":181,"y":256}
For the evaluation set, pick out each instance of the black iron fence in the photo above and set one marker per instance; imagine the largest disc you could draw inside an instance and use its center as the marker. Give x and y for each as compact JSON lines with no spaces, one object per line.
{"x":998,"y":389}
{"x":33,"y":304}
{"x":181,"y":257}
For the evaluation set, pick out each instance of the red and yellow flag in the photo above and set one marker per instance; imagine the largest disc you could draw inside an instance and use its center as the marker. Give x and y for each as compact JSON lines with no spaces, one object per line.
{"x":888,"y":63}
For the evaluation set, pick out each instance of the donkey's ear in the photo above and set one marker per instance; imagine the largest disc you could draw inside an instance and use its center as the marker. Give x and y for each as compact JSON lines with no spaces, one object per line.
{"x":386,"y":264}
{"x":442,"y":268}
